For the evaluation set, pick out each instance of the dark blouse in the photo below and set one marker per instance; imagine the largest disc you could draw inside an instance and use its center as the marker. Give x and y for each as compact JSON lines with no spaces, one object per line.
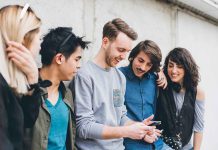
{"x":16,"y":113}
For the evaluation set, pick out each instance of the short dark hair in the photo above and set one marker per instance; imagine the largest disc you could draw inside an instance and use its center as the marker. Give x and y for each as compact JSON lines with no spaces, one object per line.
{"x":112,"y":28}
{"x":182,"y":56}
{"x":60,"y":40}
{"x":152,"y":50}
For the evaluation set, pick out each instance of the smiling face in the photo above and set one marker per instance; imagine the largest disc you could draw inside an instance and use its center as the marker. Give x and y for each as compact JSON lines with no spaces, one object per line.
{"x":176,"y":72}
{"x":116,"y":50}
{"x":141,"y":64}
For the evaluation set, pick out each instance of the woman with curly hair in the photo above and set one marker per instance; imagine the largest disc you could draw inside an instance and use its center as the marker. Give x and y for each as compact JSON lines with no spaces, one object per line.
{"x":180,"y":106}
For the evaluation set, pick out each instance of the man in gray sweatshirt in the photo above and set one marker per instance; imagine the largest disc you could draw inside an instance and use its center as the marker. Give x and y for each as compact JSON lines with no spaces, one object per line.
{"x":101,"y":120}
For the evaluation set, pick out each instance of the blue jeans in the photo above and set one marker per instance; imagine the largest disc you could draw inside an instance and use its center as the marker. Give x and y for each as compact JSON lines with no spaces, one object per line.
{"x":166,"y":147}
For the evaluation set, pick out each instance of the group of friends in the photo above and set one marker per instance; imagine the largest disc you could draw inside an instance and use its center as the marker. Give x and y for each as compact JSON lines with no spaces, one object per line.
{"x":137,"y":107}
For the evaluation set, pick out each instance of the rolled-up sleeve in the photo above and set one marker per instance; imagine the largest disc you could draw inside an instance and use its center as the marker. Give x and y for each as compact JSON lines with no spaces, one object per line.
{"x":86,"y":125}
{"x":199,"y":116}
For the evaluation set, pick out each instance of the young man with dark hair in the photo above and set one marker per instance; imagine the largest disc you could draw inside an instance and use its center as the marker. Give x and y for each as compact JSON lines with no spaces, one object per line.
{"x":99,"y":94}
{"x":60,"y":53}
{"x":142,"y":83}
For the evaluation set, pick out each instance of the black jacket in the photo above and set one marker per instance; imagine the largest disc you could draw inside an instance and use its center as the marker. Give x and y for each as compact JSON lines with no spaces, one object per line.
{"x":16,"y":113}
{"x":172,"y":124}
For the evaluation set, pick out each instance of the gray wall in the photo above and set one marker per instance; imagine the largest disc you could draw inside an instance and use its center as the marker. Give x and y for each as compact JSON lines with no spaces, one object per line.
{"x":167,"y":25}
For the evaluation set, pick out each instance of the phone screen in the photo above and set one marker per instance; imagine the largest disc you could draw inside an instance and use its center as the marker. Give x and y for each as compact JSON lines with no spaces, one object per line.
{"x":155,"y":123}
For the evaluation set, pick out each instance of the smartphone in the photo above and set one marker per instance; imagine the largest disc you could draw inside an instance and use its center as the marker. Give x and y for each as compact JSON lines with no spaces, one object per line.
{"x":155,"y":123}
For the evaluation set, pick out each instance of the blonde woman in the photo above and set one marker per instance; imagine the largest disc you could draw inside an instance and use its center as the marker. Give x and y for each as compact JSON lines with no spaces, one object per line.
{"x":19,"y":42}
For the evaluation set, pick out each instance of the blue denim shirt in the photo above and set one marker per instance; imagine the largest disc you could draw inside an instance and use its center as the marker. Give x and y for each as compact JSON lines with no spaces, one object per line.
{"x":140,"y":101}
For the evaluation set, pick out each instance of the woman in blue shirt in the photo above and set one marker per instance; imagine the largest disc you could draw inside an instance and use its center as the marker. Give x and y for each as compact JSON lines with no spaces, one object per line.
{"x":141,"y":89}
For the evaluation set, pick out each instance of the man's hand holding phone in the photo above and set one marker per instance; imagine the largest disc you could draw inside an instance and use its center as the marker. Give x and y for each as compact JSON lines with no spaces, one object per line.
{"x":155,"y":123}
{"x":153,"y":135}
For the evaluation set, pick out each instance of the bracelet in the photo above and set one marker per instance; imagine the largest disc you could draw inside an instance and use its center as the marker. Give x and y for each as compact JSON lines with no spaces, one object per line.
{"x":43,"y":83}
{"x":33,"y":86}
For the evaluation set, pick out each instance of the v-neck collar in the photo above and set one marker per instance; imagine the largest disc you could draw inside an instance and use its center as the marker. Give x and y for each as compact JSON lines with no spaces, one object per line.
{"x":49,"y":104}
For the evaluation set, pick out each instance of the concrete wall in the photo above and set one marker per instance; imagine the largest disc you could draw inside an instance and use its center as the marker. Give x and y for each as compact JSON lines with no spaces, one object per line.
{"x":201,"y":38}
{"x":158,"y":21}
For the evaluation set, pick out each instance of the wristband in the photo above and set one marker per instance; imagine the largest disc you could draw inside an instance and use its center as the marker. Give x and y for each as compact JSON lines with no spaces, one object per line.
{"x":43,"y":84}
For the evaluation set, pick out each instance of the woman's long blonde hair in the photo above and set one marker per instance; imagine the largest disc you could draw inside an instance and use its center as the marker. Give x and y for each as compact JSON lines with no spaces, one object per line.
{"x":22,"y":30}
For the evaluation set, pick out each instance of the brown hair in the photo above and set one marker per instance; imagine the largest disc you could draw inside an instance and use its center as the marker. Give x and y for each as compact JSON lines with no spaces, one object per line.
{"x":182,"y":56}
{"x":152,"y":50}
{"x":112,"y":28}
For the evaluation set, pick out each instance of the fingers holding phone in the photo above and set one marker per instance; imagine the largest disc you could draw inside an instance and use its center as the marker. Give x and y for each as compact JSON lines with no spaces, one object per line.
{"x":155,"y":123}
{"x":158,"y":132}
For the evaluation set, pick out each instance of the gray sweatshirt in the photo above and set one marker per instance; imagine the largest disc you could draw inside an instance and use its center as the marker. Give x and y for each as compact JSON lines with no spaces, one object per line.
{"x":99,"y":101}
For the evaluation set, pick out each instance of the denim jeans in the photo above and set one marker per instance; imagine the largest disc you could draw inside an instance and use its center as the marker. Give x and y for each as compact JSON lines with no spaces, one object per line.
{"x":166,"y":147}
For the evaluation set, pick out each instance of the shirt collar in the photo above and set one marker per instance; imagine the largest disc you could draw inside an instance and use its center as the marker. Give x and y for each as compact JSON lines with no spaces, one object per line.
{"x":61,"y":88}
